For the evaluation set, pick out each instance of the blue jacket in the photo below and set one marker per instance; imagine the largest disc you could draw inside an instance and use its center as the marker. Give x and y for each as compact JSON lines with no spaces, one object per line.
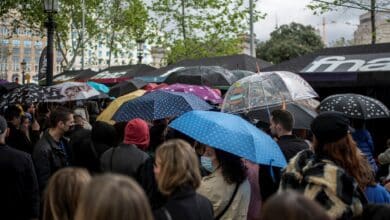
{"x":377,"y":194}
{"x":364,"y":142}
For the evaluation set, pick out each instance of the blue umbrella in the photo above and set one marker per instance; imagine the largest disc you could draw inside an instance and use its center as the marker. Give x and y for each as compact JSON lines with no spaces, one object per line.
{"x":232,"y":134}
{"x":99,"y":87}
{"x":160,"y":104}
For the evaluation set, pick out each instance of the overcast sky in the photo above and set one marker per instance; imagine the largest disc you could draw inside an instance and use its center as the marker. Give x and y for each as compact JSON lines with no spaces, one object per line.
{"x":339,"y":24}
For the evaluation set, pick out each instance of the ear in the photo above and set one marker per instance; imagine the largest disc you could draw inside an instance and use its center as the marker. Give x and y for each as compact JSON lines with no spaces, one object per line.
{"x":7,"y":132}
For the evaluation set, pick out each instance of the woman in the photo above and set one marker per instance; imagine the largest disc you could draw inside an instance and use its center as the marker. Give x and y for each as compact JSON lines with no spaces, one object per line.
{"x":336,"y":173}
{"x":227,"y":186}
{"x":178,"y":176}
{"x":63,"y":192}
{"x":111,"y":196}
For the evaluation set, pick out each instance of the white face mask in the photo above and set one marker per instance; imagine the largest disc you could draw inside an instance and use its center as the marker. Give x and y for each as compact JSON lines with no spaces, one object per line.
{"x":207,"y":163}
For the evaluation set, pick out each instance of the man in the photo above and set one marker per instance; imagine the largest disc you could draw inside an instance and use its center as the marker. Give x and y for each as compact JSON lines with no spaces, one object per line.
{"x":18,"y":186}
{"x":281,"y":126}
{"x":52,"y":151}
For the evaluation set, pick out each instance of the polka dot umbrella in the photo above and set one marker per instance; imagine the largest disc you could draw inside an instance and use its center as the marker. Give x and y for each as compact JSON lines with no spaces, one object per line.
{"x":355,"y":106}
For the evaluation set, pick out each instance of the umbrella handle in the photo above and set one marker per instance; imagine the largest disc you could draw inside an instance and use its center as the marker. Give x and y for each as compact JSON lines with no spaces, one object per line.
{"x":271,"y":171}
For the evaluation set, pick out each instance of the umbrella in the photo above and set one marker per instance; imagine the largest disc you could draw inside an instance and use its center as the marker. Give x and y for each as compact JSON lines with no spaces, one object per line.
{"x":29,"y":93}
{"x":159,"y":105}
{"x":125,"y":87}
{"x":99,"y":87}
{"x":232,"y":134}
{"x":203,"y":92}
{"x":355,"y":106}
{"x":265,"y":90}
{"x":242,"y":73}
{"x":72,"y":91}
{"x":2,"y":81}
{"x":7,"y":87}
{"x":107,"y":114}
{"x":213,"y":76}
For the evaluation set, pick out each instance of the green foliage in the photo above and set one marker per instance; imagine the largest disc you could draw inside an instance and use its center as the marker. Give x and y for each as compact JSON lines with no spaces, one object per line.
{"x":289,"y":41}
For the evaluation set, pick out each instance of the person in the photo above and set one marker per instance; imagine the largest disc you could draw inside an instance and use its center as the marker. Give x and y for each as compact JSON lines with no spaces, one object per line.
{"x":18,"y":186}
{"x":281,"y":126}
{"x":30,"y":131}
{"x":336,"y":173}
{"x":62,"y":194}
{"x":52,"y":152}
{"x":178,"y":176}
{"x":127,"y":158}
{"x":291,"y":205}
{"x":227,"y":187}
{"x":384,"y":160}
{"x":113,"y":196}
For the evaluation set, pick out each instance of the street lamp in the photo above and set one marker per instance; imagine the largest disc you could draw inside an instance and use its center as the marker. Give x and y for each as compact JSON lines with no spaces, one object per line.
{"x":140,"y":50}
{"x":23,"y":65}
{"x":51,"y":7}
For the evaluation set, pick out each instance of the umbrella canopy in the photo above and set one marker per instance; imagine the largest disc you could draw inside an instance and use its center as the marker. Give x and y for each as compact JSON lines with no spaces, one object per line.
{"x":72,"y":91}
{"x":242,"y":73}
{"x":160,"y":104}
{"x":127,"y":86}
{"x":266,"y":90}
{"x":99,"y":87}
{"x":232,"y":134}
{"x":7,"y":87}
{"x":203,"y":92}
{"x":3,"y":81}
{"x":355,"y":106}
{"x":28,"y":93}
{"x":213,"y":76}
{"x":107,"y":114}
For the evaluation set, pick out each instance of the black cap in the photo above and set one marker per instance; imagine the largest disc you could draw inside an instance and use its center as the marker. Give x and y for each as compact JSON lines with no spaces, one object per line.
{"x":3,"y":124}
{"x":329,"y":127}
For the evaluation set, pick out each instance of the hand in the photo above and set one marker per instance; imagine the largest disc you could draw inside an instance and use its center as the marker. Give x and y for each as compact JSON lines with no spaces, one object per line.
{"x":35,"y":126}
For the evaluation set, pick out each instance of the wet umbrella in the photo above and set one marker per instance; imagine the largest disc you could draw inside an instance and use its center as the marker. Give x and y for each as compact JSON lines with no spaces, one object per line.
{"x":242,"y":73}
{"x":212,"y":76}
{"x":125,"y":87}
{"x":29,"y":93}
{"x":99,"y":86}
{"x":160,"y":104}
{"x":203,"y":92}
{"x":266,"y":90}
{"x":232,"y":134}
{"x":7,"y":87}
{"x":355,"y":106}
{"x":72,"y":91}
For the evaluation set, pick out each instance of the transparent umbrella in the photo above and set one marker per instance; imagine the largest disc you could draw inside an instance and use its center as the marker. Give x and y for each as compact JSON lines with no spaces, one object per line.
{"x":265,"y":90}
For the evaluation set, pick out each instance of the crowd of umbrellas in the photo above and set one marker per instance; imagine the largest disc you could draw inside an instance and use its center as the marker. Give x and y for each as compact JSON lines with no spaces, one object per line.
{"x":191,"y":95}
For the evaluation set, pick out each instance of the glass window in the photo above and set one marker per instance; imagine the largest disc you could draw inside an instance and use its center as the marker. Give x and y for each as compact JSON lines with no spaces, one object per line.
{"x":108,"y":53}
{"x":15,"y":52}
{"x":38,"y":44}
{"x":16,"y":43}
{"x":4,"y":42}
{"x":27,"y":51}
{"x":27,"y":43}
{"x":100,"y":53}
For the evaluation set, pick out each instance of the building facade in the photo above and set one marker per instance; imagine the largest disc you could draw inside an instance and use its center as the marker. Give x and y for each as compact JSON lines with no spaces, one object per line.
{"x":363,"y":33}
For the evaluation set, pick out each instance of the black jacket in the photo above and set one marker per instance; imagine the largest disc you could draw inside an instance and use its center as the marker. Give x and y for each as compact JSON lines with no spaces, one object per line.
{"x":125,"y":159}
{"x":18,"y":140}
{"x":269,"y":179}
{"x":48,"y":157}
{"x":185,"y":203}
{"x":19,"y":194}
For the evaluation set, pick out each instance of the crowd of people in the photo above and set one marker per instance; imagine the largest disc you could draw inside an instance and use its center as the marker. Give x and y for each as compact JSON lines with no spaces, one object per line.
{"x":58,"y":164}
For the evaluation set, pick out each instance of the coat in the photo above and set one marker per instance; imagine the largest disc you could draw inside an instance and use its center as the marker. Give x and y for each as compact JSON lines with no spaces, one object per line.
{"x":365,"y":143}
{"x":18,"y":186}
{"x":322,"y":180}
{"x":185,"y":203}
{"x":49,"y":156}
{"x":218,"y":191}
{"x":18,"y":140}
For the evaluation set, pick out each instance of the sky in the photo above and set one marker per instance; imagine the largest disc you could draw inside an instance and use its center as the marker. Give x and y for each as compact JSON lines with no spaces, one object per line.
{"x":341,"y":23}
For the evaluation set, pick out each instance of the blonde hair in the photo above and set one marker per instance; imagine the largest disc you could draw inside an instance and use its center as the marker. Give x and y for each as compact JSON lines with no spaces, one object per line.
{"x":63,"y":192}
{"x":179,"y":166}
{"x":113,"y":196}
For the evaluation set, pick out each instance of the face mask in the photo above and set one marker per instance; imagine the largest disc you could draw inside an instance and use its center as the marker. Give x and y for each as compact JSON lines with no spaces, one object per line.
{"x":207,"y":163}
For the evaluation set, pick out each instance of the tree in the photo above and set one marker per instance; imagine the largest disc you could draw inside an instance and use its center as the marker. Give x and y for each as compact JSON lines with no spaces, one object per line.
{"x":372,"y":6}
{"x":341,"y":42}
{"x":207,"y":24}
{"x":289,"y":41}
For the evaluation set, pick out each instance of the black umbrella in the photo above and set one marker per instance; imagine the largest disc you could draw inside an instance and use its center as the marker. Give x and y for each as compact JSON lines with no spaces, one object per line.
{"x":125,"y":87}
{"x":303,"y":116}
{"x":212,"y":76}
{"x":7,"y":87}
{"x":355,"y":106}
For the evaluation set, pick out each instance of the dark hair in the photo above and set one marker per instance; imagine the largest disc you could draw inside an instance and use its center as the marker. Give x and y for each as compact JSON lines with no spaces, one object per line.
{"x":233,"y":169}
{"x":12,"y":112}
{"x":284,"y":118}
{"x":27,"y":105}
{"x":120,"y":130}
{"x":60,"y":114}
{"x":290,"y":205}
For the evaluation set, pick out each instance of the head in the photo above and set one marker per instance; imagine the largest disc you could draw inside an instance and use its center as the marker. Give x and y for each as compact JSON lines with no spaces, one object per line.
{"x":63,"y":192}
{"x":232,"y":166}
{"x":97,"y":201}
{"x":30,"y":108}
{"x":78,"y":120}
{"x":104,"y":133}
{"x":137,"y":132}
{"x":13,"y":115}
{"x":3,"y":129}
{"x":25,"y":123}
{"x":62,"y":120}
{"x":281,"y":122}
{"x":176,"y":165}
{"x":332,"y":140}
{"x":294,"y":206}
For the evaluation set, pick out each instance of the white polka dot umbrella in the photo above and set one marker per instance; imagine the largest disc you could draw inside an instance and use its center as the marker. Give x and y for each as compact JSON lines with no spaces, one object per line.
{"x":355,"y":106}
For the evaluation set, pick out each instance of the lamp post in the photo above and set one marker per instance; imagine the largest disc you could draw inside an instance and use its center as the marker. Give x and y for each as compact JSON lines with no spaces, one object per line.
{"x":140,"y":50}
{"x":51,"y":7}
{"x":23,"y":65}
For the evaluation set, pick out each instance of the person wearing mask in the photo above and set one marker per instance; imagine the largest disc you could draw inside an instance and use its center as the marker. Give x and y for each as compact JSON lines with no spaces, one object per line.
{"x":52,"y":151}
{"x":18,"y":186}
{"x":177,"y":173}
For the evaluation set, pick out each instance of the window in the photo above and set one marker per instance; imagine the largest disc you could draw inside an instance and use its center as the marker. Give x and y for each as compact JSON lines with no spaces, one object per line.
{"x":4,"y":42}
{"x":27,"y":52}
{"x":3,"y":30}
{"x":15,"y":52}
{"x":38,"y":44}
{"x":27,"y":43}
{"x":16,"y":43}
{"x":108,"y":53}
{"x":100,"y":53}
